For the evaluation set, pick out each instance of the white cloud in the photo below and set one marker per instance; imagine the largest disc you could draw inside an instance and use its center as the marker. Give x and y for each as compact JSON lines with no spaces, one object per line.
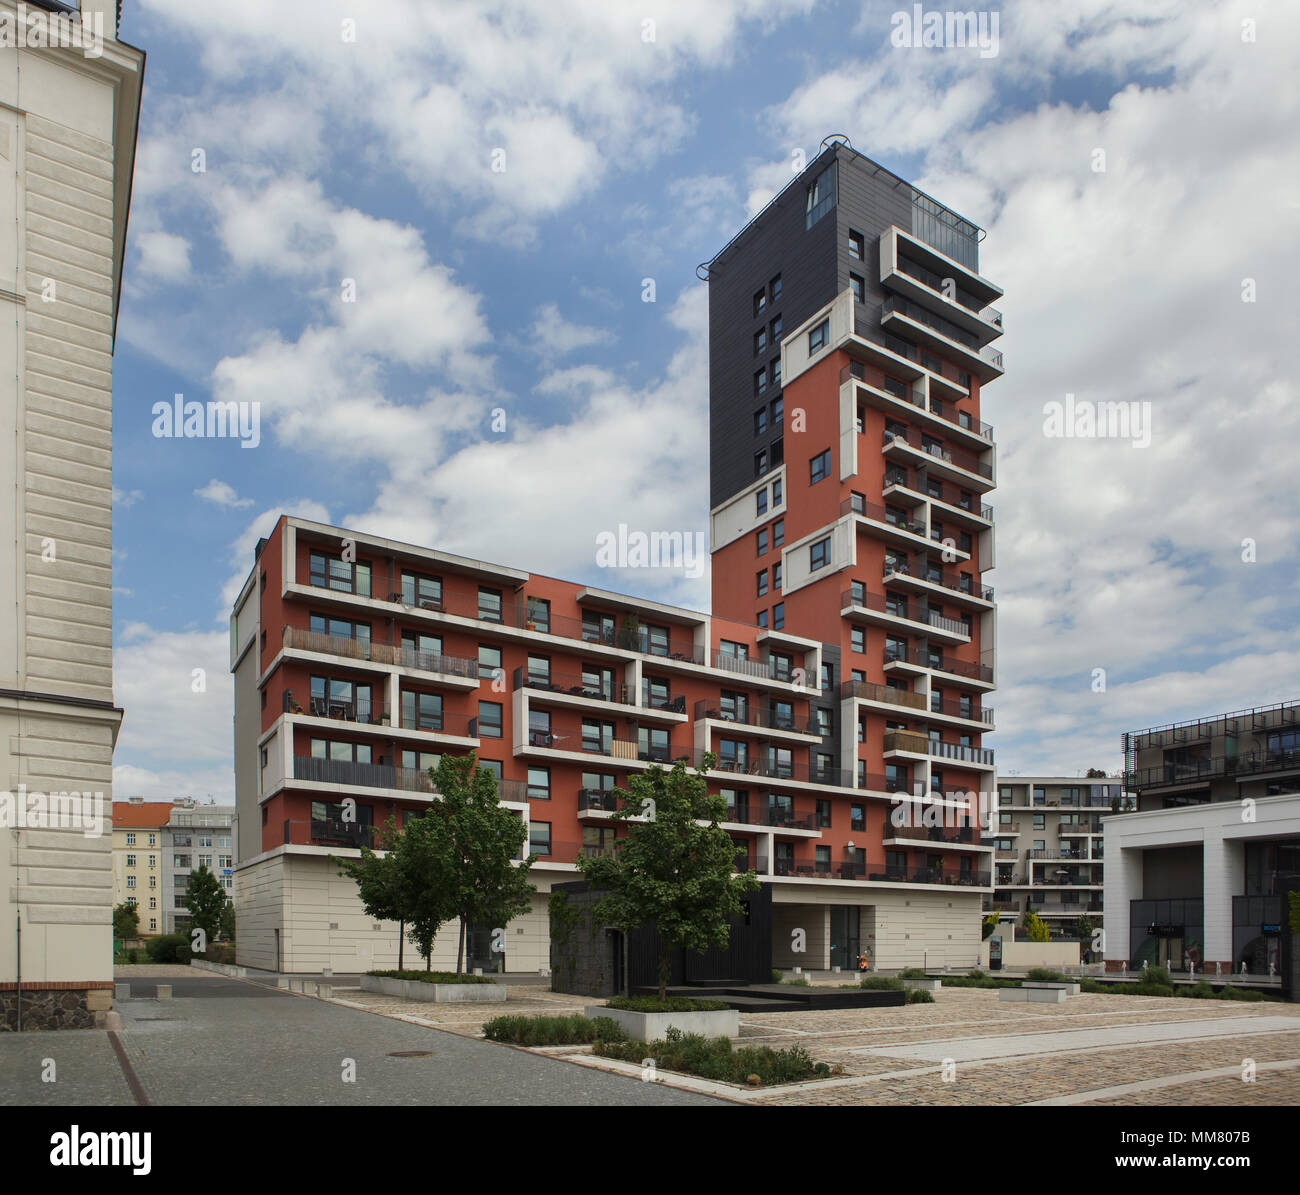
{"x":163,"y":255}
{"x":221,"y":494}
{"x":554,"y":336}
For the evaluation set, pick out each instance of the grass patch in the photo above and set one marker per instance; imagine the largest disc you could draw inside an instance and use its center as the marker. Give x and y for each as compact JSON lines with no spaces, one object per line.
{"x":668,"y":1004}
{"x":715,"y":1058}
{"x":799,"y":981}
{"x":978,"y":979}
{"x":553,"y":1031}
{"x":431,"y":976}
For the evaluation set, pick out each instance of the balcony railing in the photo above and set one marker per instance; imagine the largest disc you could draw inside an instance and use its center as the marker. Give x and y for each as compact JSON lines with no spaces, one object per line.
{"x":755,"y":765}
{"x":330,"y":832}
{"x":858,"y":505}
{"x":869,"y":691}
{"x":597,"y":799}
{"x":940,"y":492}
{"x":1074,"y":856}
{"x":363,"y":713}
{"x":575,"y":686}
{"x":957,"y":582}
{"x":398,"y":654}
{"x":752,"y":715}
{"x":367,"y":775}
{"x":1189,"y":771}
{"x":938,"y":284}
{"x":962,"y":836}
{"x":971,"y":710}
{"x":959,"y":460}
{"x":941,"y":663}
{"x":769,"y":668}
{"x":903,"y":740}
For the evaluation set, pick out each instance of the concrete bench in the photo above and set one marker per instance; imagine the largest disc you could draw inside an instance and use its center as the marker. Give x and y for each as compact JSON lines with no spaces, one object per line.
{"x":1070,"y":987}
{"x":1028,"y":995}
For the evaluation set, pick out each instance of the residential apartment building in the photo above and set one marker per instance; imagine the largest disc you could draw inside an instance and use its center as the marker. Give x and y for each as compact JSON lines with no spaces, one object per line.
{"x":67,"y":147}
{"x":1049,"y":847}
{"x":196,"y":836}
{"x":841,"y":679}
{"x":1200,"y":872}
{"x":140,"y":850}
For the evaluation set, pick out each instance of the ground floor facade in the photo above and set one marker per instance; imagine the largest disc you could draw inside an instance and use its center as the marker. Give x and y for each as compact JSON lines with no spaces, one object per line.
{"x":297,"y":914}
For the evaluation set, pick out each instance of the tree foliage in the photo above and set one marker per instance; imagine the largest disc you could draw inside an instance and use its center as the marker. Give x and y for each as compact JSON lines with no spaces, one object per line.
{"x":126,"y":920}
{"x":205,"y":898}
{"x":670,"y":871}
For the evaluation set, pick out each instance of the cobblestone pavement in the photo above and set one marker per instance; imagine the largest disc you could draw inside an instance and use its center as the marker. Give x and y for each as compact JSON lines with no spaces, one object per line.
{"x":1105,"y":1043}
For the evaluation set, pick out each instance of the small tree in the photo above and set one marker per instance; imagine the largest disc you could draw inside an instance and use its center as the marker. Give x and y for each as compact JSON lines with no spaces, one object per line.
{"x":227,"y":922}
{"x":1095,"y":774}
{"x":990,"y":924}
{"x":1084,"y":928}
{"x":126,"y":920}
{"x":1036,"y":928}
{"x":489,"y":882}
{"x":205,"y":898}
{"x":671,"y":871}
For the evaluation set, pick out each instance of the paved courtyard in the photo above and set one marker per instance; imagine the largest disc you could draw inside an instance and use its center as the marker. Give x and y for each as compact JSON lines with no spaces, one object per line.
{"x":223,"y":1040}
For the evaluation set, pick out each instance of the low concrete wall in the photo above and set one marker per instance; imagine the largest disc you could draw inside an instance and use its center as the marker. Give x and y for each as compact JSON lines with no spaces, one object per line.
{"x":1020,"y":956}
{"x":435,"y":993}
{"x":922,"y":985}
{"x":651,"y":1026}
{"x":1045,"y":995}
{"x":202,"y":964}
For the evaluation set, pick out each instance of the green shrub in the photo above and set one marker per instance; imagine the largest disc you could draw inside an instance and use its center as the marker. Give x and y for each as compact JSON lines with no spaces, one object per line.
{"x":668,"y":1004}
{"x":976,"y":974}
{"x":432,"y":976}
{"x":1200,"y":990}
{"x":799,"y":981}
{"x":1158,"y":977}
{"x":1231,"y":993}
{"x":880,"y":983}
{"x":1091,"y":985}
{"x":912,"y":973}
{"x":1045,"y":975}
{"x":169,"y":948}
{"x":919,"y":996}
{"x":1150,"y":989}
{"x":553,"y":1031}
{"x":776,"y":975}
{"x":715,"y":1058}
{"x":133,"y":955}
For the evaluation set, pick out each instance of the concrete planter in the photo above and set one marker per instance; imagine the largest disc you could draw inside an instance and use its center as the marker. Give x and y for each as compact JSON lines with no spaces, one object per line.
{"x":651,"y":1026}
{"x":1043,"y":995}
{"x":1069,"y":987}
{"x":922,"y":985}
{"x":435,"y":993}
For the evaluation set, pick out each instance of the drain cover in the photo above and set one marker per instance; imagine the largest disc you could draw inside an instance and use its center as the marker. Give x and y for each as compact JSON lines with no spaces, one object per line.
{"x":411,"y":1054}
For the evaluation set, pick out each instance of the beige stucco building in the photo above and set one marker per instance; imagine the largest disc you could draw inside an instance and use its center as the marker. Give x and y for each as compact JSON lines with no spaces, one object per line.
{"x":68,"y":117}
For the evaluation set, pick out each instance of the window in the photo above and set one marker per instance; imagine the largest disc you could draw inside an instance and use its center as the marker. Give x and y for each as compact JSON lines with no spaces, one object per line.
{"x":597,"y":736}
{"x":153,"y":881}
{"x":760,"y":341}
{"x":778,"y":411}
{"x":130,"y":861}
{"x":823,"y":722}
{"x":778,"y":616}
{"x":760,"y":381}
{"x":761,"y":501}
{"x":857,"y":639}
{"x":539,"y":614}
{"x":539,"y":838}
{"x":775,"y":369}
{"x":492,"y":767}
{"x":761,"y":620}
{"x":760,"y":462}
{"x":762,"y":582}
{"x":778,"y":533}
{"x":417,"y":643}
{"x":333,"y":572}
{"x":857,"y":817}
{"x":1040,"y":821}
{"x":734,"y":651}
{"x":539,"y":669}
{"x":760,"y":301}
{"x":823,"y":815}
{"x":819,"y":555}
{"x":776,"y":492}
{"x":489,"y":604}
{"x":775,"y":330}
{"x":776,"y":576}
{"x":489,"y":719}
{"x":421,"y":711}
{"x":539,"y":784}
{"x":153,"y":902}
{"x":857,"y":246}
{"x":819,"y":467}
{"x":774,"y":288}
{"x":761,"y":539}
{"x":421,"y":591}
{"x":130,"y":881}
{"x":489,"y":659}
{"x":859,"y":288}
{"x":818,"y":336}
{"x":153,"y":839}
{"x":821,"y":196}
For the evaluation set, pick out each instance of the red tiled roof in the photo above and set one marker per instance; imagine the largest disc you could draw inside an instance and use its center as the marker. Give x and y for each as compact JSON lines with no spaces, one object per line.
{"x":147,"y":815}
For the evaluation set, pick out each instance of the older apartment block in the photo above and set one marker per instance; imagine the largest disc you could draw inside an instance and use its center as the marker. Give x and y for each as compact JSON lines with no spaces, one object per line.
{"x":67,"y":147}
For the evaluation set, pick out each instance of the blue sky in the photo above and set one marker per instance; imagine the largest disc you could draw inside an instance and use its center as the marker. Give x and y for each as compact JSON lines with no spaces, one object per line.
{"x":629,"y":158}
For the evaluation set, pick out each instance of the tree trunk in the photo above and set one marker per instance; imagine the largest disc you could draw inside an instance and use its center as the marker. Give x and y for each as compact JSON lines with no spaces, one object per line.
{"x":401,"y":941}
{"x":460,"y":948}
{"x":664,"y":971}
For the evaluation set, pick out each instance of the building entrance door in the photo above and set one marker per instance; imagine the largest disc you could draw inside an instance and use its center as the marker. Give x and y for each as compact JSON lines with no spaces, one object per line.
{"x":846,"y":936}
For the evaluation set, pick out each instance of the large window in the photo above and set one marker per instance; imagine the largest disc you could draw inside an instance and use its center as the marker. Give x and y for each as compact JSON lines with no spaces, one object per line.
{"x":333,"y":572}
{"x":421,"y":711}
{"x":818,"y":336}
{"x":489,"y":719}
{"x":422,"y":591}
{"x":821,"y":196}
{"x":819,"y":555}
{"x":539,"y":838}
{"x":819,"y":467}
{"x":489,"y":604}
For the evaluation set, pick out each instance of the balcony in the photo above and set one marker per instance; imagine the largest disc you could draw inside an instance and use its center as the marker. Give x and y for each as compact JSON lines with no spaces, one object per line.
{"x":956,"y":505}
{"x":360,"y":713}
{"x":757,"y":767}
{"x":766,"y":672}
{"x":885,"y":524}
{"x":756,"y":717}
{"x":867,"y":691}
{"x":596,"y":800}
{"x":603,"y":690}
{"x":894,"y":613}
{"x":963,"y":586}
{"x":919,"y":744}
{"x":965,"y":711}
{"x":910,"y":447}
{"x":626,"y":752}
{"x":386,"y":654}
{"x":929,"y":286}
{"x":330,"y":832}
{"x":803,"y":867}
{"x":943,"y":335}
{"x":1194,"y":771}
{"x":915,"y":836}
{"x":915,"y":658}
{"x":336,"y":772}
